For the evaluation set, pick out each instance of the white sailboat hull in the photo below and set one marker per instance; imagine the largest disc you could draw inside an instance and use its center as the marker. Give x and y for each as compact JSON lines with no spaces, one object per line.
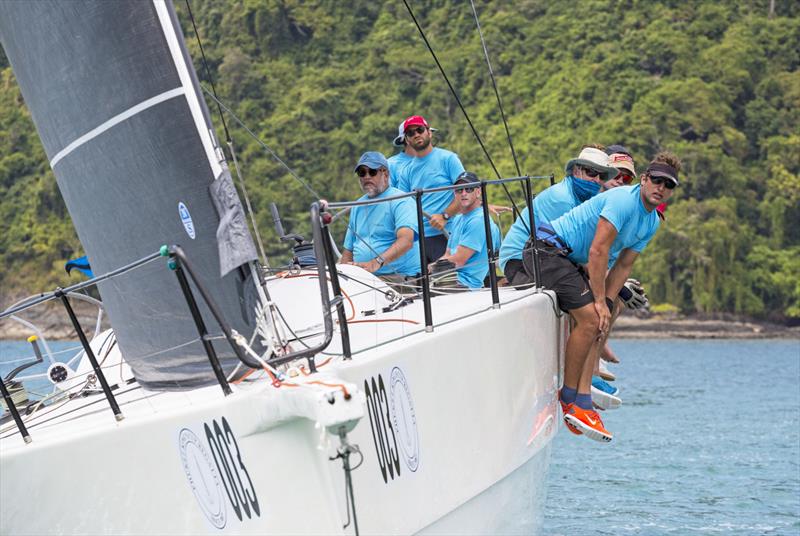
{"x":455,"y":437}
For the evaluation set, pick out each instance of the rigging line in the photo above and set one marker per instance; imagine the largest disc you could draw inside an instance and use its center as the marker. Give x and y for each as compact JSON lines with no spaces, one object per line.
{"x":494,"y":85}
{"x":263,"y":145}
{"x":460,"y":105}
{"x":208,"y":71}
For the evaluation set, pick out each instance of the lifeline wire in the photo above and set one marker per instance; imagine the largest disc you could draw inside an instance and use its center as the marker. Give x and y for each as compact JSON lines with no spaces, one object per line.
{"x":461,"y":106}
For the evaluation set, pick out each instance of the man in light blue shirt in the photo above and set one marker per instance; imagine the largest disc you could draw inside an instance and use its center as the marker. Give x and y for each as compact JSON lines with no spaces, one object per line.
{"x":467,"y":247}
{"x":424,"y":166}
{"x":382,"y":238}
{"x":586,"y":176}
{"x":621,"y":222}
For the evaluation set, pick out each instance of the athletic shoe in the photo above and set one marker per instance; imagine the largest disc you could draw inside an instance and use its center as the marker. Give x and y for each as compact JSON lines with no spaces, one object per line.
{"x":604,"y":386}
{"x":588,"y":422}
{"x":604,"y":373}
{"x":563,"y":413}
{"x":604,"y":396}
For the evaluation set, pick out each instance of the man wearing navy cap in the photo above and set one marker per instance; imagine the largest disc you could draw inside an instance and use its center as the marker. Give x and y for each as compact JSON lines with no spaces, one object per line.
{"x":424,"y":166}
{"x":618,"y":223}
{"x":382,"y":238}
{"x":467,"y":247}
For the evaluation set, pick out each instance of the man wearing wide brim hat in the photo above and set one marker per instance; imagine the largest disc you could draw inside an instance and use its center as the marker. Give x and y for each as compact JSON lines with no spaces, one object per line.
{"x":586,"y":177}
{"x":594,"y":160}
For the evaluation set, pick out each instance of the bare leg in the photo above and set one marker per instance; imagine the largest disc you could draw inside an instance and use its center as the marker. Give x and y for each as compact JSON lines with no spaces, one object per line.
{"x":579,"y":346}
{"x":597,"y":348}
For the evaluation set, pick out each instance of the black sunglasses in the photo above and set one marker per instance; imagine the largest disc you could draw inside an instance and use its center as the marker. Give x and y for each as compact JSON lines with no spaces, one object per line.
{"x":668,"y":183}
{"x":468,"y":189}
{"x":362,"y":172}
{"x":591,"y":172}
{"x":412,"y":131}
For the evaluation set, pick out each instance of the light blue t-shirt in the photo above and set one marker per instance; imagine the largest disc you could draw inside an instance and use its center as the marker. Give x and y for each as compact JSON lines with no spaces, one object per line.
{"x":623,"y":208}
{"x":396,"y":164}
{"x":547,"y":206}
{"x":377,"y":225}
{"x":438,"y":168}
{"x":467,"y":230}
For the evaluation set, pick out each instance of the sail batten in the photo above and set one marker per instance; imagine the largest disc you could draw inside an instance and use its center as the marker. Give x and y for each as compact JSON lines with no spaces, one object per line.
{"x":130,"y":112}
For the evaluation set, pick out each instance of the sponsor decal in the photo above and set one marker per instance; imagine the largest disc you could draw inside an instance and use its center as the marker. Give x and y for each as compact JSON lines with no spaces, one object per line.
{"x":404,"y":421}
{"x":186,"y":219}
{"x":216,"y":472}
{"x":203,"y":477}
{"x":393,"y":423}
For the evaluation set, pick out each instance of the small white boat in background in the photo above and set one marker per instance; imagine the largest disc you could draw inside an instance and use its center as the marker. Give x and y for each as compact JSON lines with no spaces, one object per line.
{"x":313,"y":401}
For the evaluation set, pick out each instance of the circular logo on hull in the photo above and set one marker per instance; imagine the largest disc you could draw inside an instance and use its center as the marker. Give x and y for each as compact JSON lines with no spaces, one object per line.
{"x":203,"y":477}
{"x":186,"y":219}
{"x":404,"y":420}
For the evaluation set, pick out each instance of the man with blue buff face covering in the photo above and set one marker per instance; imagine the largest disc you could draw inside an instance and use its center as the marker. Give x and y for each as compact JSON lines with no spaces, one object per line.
{"x":586,"y":176}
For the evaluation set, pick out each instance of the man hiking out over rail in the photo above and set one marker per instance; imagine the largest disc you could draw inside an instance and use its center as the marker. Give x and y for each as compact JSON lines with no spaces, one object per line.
{"x":616,"y":224}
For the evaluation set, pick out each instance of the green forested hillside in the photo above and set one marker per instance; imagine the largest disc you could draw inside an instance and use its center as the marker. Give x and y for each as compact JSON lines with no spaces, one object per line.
{"x":716,"y":82}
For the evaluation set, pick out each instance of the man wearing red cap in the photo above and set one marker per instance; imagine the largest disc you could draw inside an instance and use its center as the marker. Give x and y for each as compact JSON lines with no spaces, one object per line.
{"x":426,"y":166}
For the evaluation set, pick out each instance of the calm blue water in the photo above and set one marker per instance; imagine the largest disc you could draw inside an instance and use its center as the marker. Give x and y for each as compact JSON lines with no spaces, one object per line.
{"x":707,"y":442}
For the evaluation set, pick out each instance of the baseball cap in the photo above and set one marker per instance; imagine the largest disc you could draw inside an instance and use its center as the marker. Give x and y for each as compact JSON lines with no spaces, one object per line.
{"x":466,"y":177}
{"x":372,"y":160}
{"x":400,"y":139}
{"x":622,"y":161}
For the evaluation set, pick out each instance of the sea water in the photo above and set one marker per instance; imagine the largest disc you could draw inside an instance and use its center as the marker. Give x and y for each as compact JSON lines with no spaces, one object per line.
{"x":707,"y":441}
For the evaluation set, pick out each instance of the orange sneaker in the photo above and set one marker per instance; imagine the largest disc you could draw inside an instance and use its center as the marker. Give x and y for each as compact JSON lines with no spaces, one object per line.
{"x":588,"y":422}
{"x":564,"y":410}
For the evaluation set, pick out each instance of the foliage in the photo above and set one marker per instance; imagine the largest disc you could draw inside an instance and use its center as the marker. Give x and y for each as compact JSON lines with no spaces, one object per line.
{"x":715,"y":82}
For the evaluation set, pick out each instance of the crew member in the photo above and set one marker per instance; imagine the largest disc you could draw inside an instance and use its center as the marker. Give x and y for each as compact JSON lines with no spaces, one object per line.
{"x":382,"y":238}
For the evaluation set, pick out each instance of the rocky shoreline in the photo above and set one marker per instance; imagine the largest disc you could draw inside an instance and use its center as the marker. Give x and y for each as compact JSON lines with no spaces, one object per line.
{"x":55,"y":326}
{"x":690,"y":327}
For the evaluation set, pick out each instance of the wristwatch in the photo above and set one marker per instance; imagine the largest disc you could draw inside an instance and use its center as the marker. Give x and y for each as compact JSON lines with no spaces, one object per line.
{"x":381,"y":261}
{"x":446,"y":216}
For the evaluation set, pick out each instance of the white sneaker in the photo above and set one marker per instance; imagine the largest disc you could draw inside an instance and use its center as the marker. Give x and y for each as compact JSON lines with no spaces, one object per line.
{"x":604,"y":373}
{"x":605,"y":400}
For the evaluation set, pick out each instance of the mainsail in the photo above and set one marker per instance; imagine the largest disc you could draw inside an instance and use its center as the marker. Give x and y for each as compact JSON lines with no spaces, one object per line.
{"x":117,"y":105}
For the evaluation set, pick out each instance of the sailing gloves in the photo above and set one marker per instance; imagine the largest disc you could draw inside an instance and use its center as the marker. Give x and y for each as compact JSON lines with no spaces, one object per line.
{"x":633,"y":296}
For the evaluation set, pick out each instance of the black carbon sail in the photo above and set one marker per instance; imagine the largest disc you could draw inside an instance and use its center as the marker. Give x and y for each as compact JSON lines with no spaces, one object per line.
{"x":116,"y":102}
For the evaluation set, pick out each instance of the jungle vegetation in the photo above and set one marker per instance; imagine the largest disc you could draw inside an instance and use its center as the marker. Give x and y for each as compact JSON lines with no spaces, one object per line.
{"x":715,"y":82}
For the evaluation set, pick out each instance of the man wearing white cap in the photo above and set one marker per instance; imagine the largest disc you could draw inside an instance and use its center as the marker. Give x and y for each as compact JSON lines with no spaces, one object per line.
{"x":586,"y":176}
{"x":427,"y":167}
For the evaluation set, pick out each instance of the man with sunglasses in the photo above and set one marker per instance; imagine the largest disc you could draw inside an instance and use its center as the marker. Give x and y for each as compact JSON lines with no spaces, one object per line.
{"x":422,"y":165}
{"x":382,"y":238}
{"x":587,"y":175}
{"x":467,"y":248}
{"x":618,"y":223}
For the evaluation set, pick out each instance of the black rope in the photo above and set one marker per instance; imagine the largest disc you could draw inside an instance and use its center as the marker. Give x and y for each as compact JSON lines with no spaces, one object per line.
{"x":461,"y":106}
{"x":208,"y":71}
{"x":496,"y":91}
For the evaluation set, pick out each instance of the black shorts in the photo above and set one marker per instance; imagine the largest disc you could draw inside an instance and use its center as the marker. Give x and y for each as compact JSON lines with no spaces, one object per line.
{"x":567,"y":279}
{"x":435,"y":247}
